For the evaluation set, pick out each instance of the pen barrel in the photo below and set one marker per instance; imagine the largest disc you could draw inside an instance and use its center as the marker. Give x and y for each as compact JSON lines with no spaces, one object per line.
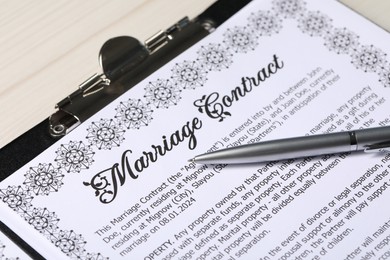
{"x":280,"y":149}
{"x":298,"y":147}
{"x":372,"y":136}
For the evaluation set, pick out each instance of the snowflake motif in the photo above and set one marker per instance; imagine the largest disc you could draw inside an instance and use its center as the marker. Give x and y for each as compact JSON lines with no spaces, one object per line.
{"x":369,"y":58}
{"x":94,"y":256}
{"x":162,"y":94}
{"x":43,"y":179}
{"x":74,"y":157}
{"x":314,"y":23}
{"x":384,"y":77}
{"x":289,"y":8}
{"x":69,"y":243}
{"x":42,"y":220}
{"x":105,"y":134}
{"x":240,"y":39}
{"x":133,"y":114}
{"x":16,"y":198}
{"x":265,"y":23}
{"x":215,"y":57}
{"x":342,"y":41}
{"x":189,"y":75}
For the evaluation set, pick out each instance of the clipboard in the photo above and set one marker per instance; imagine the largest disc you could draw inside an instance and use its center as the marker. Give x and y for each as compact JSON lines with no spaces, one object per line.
{"x":125,"y":61}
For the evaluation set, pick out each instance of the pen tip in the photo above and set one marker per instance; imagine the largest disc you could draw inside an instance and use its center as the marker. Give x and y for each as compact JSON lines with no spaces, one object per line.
{"x":191,"y":160}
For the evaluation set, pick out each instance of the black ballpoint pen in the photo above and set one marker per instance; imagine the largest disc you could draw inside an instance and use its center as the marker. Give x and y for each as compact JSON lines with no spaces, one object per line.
{"x":369,"y":140}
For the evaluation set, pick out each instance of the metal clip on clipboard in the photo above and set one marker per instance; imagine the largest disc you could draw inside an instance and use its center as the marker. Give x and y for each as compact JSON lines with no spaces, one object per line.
{"x":125,"y":62}
{"x":123,"y":57}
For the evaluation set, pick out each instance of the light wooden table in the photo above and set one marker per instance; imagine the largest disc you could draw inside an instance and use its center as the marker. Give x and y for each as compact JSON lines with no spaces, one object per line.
{"x":47,"y":48}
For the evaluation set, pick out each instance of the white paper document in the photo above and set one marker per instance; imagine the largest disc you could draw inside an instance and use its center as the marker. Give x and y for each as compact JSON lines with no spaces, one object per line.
{"x":120,"y":185}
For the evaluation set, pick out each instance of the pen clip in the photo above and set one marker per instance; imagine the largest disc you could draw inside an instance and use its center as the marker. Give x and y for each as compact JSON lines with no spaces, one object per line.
{"x":383,"y":147}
